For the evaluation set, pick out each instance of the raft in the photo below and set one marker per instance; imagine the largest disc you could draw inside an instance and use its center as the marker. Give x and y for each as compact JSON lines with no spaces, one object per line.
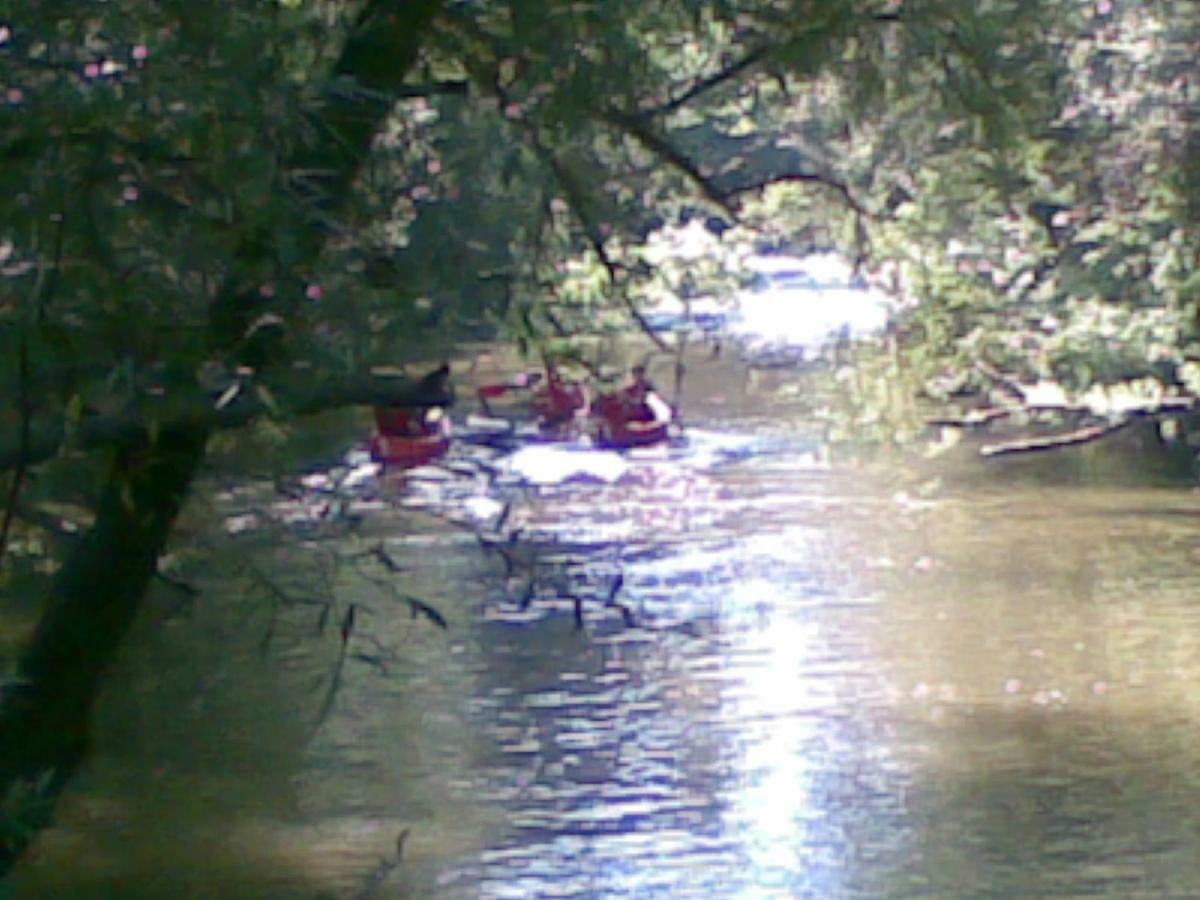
{"x":625,"y":435}
{"x":621,"y":425}
{"x":408,"y":438}
{"x":408,"y":452}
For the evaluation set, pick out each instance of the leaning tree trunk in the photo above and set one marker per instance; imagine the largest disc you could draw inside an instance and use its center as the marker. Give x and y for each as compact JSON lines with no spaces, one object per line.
{"x":94,"y":598}
{"x":45,"y":711}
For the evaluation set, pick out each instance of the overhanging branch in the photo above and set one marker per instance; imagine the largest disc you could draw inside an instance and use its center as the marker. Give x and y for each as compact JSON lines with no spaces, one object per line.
{"x":1093,"y":421}
{"x":1075,"y":437}
{"x":827,"y":181}
{"x":708,"y":83}
{"x":432,"y":89}
{"x":637,"y":128}
{"x":578,"y":206}
{"x":198,"y":409}
{"x":577,"y":201}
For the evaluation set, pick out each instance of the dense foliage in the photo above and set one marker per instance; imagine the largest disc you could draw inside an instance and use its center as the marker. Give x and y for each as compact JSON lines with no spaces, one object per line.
{"x":1022,"y":168}
{"x":1047,"y":223}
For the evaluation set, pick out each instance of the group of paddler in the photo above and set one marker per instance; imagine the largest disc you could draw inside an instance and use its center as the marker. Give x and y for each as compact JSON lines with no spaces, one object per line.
{"x":634,"y":415}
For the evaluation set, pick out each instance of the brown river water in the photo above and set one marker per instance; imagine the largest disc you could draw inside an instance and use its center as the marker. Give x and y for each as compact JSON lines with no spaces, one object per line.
{"x":839,"y":681}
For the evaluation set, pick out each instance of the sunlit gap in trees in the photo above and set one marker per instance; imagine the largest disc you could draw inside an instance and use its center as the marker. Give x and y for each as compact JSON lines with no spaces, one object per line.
{"x":806,"y":300}
{"x":763,"y":299}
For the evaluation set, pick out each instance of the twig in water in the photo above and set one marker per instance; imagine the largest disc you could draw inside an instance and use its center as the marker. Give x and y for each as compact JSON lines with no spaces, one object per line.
{"x":385,"y":868}
{"x":419,"y":607}
{"x":348,"y":624}
{"x":336,"y":681}
{"x":615,"y":588}
{"x":385,"y":559}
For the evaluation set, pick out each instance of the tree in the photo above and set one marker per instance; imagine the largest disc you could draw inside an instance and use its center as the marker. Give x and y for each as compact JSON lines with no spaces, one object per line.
{"x":1056,"y":261}
{"x":210,"y":215}
{"x":137,"y":255}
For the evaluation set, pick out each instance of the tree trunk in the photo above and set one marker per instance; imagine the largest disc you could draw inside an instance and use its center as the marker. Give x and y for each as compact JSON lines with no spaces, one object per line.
{"x":45,"y":711}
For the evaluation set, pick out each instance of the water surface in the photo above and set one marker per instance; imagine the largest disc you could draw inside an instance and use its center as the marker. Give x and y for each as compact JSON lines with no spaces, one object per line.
{"x":839,"y":681}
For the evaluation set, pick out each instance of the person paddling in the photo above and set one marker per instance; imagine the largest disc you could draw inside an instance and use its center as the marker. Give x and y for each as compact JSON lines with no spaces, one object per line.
{"x":560,"y":403}
{"x":525,"y":381}
{"x":641,"y":399}
{"x":633,"y":416}
{"x":436,"y":392}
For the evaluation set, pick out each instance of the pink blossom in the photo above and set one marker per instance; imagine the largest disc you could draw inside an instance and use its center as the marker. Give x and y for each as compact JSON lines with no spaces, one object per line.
{"x":5,"y":34}
{"x":92,"y":70}
{"x":14,"y":95}
{"x":267,"y":290}
{"x":140,"y":52}
{"x":313,"y":292}
{"x":131,"y":193}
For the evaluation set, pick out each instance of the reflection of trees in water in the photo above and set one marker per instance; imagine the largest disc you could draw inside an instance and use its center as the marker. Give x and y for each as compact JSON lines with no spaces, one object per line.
{"x":1052,"y":802}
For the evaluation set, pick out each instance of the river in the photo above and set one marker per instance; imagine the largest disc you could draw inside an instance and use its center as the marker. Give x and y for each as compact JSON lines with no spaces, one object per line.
{"x":840,"y":680}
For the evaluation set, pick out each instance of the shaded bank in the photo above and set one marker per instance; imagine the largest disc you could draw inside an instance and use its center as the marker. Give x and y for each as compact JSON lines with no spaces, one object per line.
{"x":95,"y":595}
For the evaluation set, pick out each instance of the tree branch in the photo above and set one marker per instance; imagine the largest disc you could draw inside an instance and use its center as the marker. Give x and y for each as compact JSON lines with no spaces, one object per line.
{"x":198,"y":409}
{"x":708,"y":83}
{"x":975,"y":418}
{"x":432,"y":89}
{"x":637,"y":128}
{"x":828,"y":181}
{"x":1073,"y":438}
{"x":576,"y":200}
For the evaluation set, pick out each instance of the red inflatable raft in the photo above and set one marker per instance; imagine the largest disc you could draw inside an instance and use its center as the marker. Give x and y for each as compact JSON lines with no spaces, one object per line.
{"x":622,"y":424}
{"x":409,"y":437}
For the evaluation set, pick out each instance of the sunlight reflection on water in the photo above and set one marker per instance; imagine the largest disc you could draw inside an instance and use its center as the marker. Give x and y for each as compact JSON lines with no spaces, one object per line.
{"x":770,"y":809}
{"x":827,"y":691}
{"x":807,"y":707}
{"x":711,"y":766}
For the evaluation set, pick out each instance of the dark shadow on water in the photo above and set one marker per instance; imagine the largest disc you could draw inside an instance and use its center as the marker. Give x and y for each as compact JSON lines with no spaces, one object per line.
{"x":1054,"y":803}
{"x":1138,"y":456}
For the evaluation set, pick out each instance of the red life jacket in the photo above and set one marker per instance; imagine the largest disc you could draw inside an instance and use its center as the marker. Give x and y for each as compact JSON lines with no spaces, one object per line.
{"x":402,"y":421}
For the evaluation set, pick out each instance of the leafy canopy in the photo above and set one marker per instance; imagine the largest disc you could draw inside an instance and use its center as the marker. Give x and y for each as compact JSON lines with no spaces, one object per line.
{"x":1022,"y":167}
